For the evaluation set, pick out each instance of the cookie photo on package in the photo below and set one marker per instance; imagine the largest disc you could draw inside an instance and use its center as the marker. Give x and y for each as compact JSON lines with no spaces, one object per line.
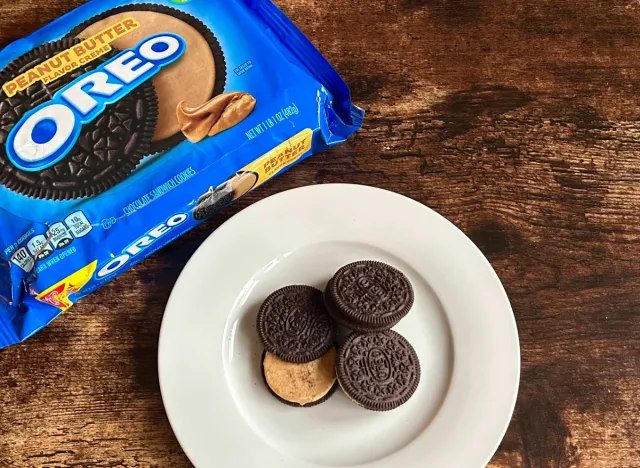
{"x":125,"y":124}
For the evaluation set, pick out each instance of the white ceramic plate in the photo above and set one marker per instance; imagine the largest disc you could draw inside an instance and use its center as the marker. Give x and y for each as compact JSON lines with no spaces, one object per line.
{"x":461,"y":326}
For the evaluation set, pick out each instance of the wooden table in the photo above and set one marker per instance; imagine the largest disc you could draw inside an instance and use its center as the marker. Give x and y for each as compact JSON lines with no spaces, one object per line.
{"x":518,"y":121}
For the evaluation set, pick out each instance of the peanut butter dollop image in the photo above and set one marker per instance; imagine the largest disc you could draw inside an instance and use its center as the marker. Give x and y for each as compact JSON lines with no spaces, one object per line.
{"x":215,"y":116}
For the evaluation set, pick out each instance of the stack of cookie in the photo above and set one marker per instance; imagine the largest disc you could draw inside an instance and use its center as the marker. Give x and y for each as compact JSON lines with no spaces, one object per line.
{"x":376,"y":367}
{"x":299,"y":361}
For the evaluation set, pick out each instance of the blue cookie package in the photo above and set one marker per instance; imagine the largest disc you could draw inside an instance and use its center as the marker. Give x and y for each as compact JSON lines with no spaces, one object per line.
{"x":124,"y":124}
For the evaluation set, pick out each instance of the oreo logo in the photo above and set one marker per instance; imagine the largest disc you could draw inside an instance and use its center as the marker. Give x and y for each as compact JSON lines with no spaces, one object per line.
{"x":108,"y":223}
{"x":296,"y":322}
{"x":139,"y":245}
{"x":47,"y":133}
{"x":379,"y":365}
{"x":372,"y":287}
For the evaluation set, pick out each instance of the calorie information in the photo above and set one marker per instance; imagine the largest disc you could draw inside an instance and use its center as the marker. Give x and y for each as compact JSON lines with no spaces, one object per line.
{"x":58,"y":237}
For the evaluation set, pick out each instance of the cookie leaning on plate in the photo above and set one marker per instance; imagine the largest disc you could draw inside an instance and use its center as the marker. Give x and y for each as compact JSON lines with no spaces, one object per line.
{"x":293,"y":324}
{"x":369,"y":296}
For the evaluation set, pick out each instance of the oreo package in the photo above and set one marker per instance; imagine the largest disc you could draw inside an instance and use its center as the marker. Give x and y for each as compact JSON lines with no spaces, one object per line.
{"x":124,"y":124}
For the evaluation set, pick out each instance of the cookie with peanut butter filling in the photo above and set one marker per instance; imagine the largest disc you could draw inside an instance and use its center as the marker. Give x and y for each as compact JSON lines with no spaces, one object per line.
{"x":212,"y":201}
{"x":196,"y":77}
{"x":301,"y":385}
{"x":242,"y":183}
{"x":216,"y":199}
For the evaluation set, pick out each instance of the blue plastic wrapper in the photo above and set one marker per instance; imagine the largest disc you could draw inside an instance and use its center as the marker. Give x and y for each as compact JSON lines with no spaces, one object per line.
{"x":125,"y":124}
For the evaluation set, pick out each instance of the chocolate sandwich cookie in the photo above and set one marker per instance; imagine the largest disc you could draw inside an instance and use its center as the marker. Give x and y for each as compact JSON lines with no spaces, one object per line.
{"x":380,"y":371}
{"x":108,"y":149}
{"x":242,"y":183}
{"x":369,"y":296}
{"x":345,"y":322}
{"x":301,"y":384}
{"x":293,"y":324}
{"x":212,"y":202}
{"x":199,"y":75}
{"x":215,"y":200}
{"x":339,"y":319}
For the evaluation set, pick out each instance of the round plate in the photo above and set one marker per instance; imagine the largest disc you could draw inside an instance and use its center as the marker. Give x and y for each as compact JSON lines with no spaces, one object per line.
{"x":461,"y":326}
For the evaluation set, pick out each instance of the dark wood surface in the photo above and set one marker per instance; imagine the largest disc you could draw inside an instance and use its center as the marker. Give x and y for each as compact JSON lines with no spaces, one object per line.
{"x":519,"y":121}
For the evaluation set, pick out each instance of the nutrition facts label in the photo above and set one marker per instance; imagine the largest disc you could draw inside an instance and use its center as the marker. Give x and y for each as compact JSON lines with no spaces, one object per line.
{"x":59,"y":235}
{"x":78,"y":224}
{"x":39,"y":247}
{"x":52,"y":244}
{"x":23,"y":259}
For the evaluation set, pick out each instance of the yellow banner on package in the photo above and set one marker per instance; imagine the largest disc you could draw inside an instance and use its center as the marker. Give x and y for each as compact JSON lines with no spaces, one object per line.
{"x":69,"y":60}
{"x":283,"y":155}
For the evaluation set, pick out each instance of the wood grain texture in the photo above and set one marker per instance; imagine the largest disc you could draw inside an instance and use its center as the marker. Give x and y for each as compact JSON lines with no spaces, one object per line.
{"x":519,"y":121}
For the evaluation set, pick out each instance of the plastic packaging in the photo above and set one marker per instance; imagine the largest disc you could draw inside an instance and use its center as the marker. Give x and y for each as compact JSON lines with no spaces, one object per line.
{"x":125,"y":124}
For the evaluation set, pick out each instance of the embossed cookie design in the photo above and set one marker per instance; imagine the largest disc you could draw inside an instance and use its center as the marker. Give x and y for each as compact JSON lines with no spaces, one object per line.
{"x":369,"y":296}
{"x":379,"y":372}
{"x":108,"y":149}
{"x":293,"y":324}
